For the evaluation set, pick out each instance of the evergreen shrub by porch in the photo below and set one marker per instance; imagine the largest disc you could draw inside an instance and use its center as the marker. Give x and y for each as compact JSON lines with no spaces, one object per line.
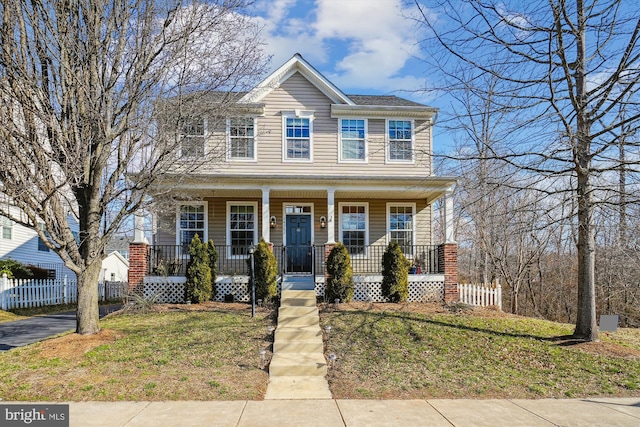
{"x":213,"y":266}
{"x":340,"y":272}
{"x":198,"y":286}
{"x":395,"y":273}
{"x":265,"y":272}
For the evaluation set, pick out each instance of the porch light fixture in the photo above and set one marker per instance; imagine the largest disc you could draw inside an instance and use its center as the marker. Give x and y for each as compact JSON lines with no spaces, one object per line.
{"x":323,"y":221}
{"x":272,"y":221}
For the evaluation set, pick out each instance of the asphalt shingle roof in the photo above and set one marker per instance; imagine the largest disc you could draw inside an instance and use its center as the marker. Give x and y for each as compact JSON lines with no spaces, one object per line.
{"x":384,"y":100}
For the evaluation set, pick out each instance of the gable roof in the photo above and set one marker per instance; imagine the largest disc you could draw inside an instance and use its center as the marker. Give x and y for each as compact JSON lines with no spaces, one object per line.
{"x":297,"y":64}
{"x":387,"y":100}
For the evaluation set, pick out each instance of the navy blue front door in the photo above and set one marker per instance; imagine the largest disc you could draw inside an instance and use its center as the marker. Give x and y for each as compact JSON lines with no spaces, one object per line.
{"x":299,"y":248}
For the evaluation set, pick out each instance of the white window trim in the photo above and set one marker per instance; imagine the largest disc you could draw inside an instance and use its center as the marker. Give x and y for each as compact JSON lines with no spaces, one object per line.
{"x":6,"y":223}
{"x":297,"y":114}
{"x":366,"y":227}
{"x":366,"y":141}
{"x":284,"y":220}
{"x":255,"y":142}
{"x":256,"y":224}
{"x":206,"y":219}
{"x":388,"y":141}
{"x":205,"y":137}
{"x":413,"y":217}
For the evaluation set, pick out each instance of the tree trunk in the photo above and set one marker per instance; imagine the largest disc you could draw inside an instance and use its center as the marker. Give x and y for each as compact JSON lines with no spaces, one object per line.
{"x":87,"y":315}
{"x":586,"y":325}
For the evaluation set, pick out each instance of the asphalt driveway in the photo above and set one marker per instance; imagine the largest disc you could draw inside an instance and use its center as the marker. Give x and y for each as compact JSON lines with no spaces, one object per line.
{"x":27,"y":331}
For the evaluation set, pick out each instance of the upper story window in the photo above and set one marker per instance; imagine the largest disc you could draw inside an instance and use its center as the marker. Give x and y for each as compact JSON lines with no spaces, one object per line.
{"x":192,"y":220}
{"x":42,"y":246}
{"x":6,"y":226}
{"x":354,"y":231}
{"x":298,"y":131}
{"x":241,"y":133}
{"x":352,"y":141}
{"x":192,"y":138}
{"x":400,"y":143}
{"x":401,"y":226}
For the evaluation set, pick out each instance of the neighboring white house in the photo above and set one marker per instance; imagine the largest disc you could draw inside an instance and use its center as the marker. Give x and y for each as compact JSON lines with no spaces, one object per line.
{"x":115,"y":268}
{"x":23,"y":244}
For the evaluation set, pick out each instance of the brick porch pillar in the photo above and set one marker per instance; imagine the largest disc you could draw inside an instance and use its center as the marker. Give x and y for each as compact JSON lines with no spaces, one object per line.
{"x":448,"y":262}
{"x":138,"y":259}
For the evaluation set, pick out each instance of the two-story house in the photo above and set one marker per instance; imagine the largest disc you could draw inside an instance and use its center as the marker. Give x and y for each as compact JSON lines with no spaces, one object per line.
{"x":305,"y":166}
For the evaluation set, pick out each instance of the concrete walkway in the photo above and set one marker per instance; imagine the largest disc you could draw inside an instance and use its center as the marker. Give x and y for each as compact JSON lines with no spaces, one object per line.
{"x":437,"y":412}
{"x":23,"y":332}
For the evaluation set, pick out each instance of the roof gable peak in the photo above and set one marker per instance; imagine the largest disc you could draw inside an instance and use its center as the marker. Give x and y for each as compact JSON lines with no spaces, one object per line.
{"x":297,"y":64}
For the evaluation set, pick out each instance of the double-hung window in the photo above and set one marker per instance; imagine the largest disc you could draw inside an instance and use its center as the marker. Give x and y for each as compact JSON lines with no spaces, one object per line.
{"x":402,"y":225}
{"x":192,"y":138}
{"x":353,"y":146}
{"x":192,"y":220}
{"x":354,"y":227}
{"x":7,"y":228}
{"x":298,"y":131}
{"x":400,"y":140}
{"x":42,"y":246}
{"x":241,"y":227}
{"x":241,"y":133}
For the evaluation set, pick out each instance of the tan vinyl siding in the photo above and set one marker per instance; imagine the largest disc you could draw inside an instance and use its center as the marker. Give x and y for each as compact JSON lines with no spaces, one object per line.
{"x":297,"y":93}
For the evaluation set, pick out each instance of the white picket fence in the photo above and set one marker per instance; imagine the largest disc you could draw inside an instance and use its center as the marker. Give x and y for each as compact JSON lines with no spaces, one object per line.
{"x":484,"y":295}
{"x":25,"y":293}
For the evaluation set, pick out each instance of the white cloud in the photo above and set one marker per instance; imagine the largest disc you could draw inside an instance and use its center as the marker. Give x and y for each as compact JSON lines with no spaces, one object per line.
{"x":360,"y":45}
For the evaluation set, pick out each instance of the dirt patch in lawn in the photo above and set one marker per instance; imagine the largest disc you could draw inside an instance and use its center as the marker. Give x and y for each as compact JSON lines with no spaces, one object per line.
{"x":74,"y":346}
{"x":609,"y":349}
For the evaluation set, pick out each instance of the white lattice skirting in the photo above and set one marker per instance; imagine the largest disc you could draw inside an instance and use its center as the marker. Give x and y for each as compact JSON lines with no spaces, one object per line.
{"x":422,"y":288}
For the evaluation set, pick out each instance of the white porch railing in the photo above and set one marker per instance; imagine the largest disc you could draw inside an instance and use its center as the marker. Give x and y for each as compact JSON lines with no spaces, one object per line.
{"x":484,"y":295}
{"x":25,"y":293}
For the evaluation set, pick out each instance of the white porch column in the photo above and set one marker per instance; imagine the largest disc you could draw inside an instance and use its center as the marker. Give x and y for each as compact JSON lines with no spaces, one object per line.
{"x":448,"y":217}
{"x":266,"y":230}
{"x":331,"y":224}
{"x":138,"y":228}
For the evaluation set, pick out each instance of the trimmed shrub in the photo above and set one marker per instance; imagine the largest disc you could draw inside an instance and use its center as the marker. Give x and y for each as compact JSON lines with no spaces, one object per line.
{"x":340,"y":272}
{"x":395,"y":273}
{"x":213,"y":266}
{"x":15,"y":269}
{"x":198,"y":286}
{"x":265,"y":272}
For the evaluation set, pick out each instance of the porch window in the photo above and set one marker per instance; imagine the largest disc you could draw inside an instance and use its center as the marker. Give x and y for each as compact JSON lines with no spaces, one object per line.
{"x":241,"y":227}
{"x":192,"y":138}
{"x":7,"y":228}
{"x":298,"y":130}
{"x":401,"y":226}
{"x":192,"y":220}
{"x":400,"y":134}
{"x":353,"y":140}
{"x":354,"y":227}
{"x":241,"y":133}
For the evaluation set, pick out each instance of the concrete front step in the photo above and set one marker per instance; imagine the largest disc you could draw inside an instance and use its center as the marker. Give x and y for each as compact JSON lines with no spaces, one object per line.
{"x":291,"y":387}
{"x":297,"y":364}
{"x":301,"y":333}
{"x":309,"y":346}
{"x":298,"y":302}
{"x":308,"y":320}
{"x":287,"y":310}
{"x":287,"y":293}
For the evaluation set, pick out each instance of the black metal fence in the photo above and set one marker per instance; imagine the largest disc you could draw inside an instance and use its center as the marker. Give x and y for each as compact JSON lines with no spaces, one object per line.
{"x":171,"y":260}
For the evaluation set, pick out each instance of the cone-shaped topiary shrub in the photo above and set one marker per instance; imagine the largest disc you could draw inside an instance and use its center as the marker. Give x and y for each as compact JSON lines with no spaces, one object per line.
{"x":266,"y":272}
{"x":213,"y":266}
{"x":340,"y":280}
{"x":198,"y":286}
{"x":395,"y":273}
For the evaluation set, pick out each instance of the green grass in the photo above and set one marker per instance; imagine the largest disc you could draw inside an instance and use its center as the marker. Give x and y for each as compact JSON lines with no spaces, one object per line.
{"x":397,"y":354}
{"x":175,"y":355}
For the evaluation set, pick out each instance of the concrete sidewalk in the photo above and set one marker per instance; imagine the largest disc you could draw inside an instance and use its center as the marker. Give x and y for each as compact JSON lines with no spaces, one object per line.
{"x":23,"y":332}
{"x":435,"y":412}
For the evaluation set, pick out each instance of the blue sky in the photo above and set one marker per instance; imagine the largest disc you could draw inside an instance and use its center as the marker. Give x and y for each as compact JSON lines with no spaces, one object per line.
{"x":362,"y":46}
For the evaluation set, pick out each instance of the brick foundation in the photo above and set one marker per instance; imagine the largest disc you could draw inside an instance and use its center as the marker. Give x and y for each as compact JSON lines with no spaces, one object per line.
{"x":448,"y":261}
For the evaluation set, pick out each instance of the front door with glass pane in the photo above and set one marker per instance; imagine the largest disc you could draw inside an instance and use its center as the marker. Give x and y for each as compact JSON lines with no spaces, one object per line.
{"x":299,"y":248}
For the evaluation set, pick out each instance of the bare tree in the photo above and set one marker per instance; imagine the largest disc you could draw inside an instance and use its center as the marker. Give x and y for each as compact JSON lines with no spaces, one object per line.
{"x":81,"y":85}
{"x":568,"y":66}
